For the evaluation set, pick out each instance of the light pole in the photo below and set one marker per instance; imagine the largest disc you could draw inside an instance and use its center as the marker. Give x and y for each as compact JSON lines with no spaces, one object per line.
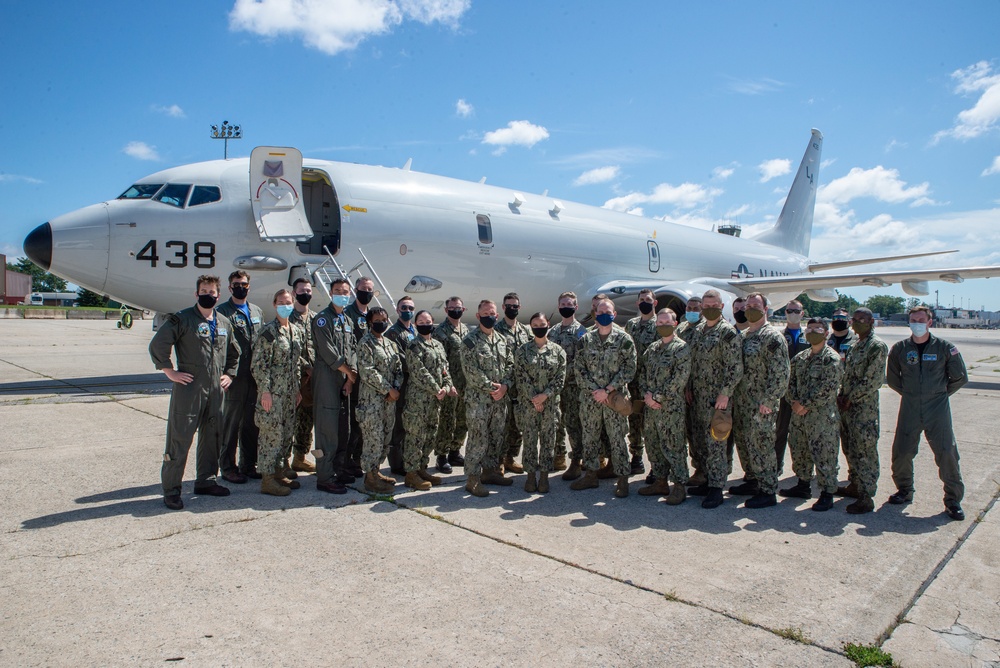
{"x":226,"y":132}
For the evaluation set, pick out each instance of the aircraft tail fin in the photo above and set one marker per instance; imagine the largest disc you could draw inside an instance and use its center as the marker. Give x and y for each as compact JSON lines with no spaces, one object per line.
{"x":793,"y":230}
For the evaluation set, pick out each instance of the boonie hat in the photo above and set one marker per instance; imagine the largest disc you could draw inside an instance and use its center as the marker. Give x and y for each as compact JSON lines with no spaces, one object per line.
{"x":722,"y":424}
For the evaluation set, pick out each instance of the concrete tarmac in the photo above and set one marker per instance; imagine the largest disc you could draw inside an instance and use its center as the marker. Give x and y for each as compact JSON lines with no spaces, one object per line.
{"x":96,"y":571}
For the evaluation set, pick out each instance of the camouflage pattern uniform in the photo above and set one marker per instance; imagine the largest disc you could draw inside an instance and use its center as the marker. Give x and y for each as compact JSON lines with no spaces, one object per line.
{"x":427,"y":366}
{"x":379,"y":370}
{"x":334,"y":345}
{"x":812,"y":438}
{"x":764,"y":381}
{"x":568,"y":338}
{"x":401,"y":335}
{"x":485,"y":360}
{"x":276,"y":367}
{"x":302,"y":438}
{"x":349,"y":427}
{"x":666,"y":368}
{"x":599,"y":365}
{"x":451,"y":426}
{"x":539,"y":371}
{"x":716,"y":368}
{"x":516,"y":336}
{"x":795,"y":339}
{"x":643,"y":333}
{"x":687,"y":332}
{"x":864,"y":373}
{"x":842,"y":347}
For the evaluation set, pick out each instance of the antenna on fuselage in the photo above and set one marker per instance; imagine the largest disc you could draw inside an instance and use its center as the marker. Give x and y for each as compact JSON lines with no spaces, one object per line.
{"x":406,"y":167}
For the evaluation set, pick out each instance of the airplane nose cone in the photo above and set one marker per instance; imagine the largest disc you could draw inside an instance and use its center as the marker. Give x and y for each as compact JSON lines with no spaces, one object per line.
{"x":38,"y":246}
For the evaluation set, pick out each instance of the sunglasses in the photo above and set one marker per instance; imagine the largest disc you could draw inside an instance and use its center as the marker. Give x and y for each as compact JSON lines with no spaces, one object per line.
{"x":793,"y":310}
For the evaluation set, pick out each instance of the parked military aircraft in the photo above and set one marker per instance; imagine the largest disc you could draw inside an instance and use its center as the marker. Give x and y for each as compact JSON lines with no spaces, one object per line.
{"x":281,"y":217}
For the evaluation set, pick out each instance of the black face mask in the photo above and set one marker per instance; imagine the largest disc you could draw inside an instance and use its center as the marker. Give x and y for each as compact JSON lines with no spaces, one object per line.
{"x":207,"y":301}
{"x":567,"y":311}
{"x":240,"y":292}
{"x":364,"y":296}
{"x":424,"y":330}
{"x":511,"y":311}
{"x":840,"y":325}
{"x":488,"y":321}
{"x":539,"y":332}
{"x":304,"y":298}
{"x":380,"y":326}
{"x":740,"y":316}
{"x":455,"y":314}
{"x":645,"y":307}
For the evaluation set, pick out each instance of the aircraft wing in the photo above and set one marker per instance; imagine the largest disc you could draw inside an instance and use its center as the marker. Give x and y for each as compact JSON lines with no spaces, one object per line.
{"x":914,"y":280}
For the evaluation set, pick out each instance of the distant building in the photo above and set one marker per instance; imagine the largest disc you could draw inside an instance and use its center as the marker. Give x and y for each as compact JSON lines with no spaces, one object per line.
{"x":14,"y":286}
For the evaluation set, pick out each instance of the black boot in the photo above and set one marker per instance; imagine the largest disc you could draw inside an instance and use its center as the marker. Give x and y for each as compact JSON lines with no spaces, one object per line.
{"x":824,"y":503}
{"x":748,"y":488}
{"x":760,"y":500}
{"x":713,"y":499}
{"x":637,"y":465}
{"x":801,"y":490}
{"x":443,"y":465}
{"x":455,"y":458}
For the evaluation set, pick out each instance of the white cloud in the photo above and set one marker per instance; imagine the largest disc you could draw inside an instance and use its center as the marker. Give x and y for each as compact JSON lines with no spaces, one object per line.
{"x":599,"y":175}
{"x":141,"y":151}
{"x":684,"y":196}
{"x":994,"y":168}
{"x":17,"y":178}
{"x":464,"y":109}
{"x":770,"y":169}
{"x":984,"y":115}
{"x":333,"y":26}
{"x":756,"y":86}
{"x":880,"y":183}
{"x":621,"y":155}
{"x":517,"y":133}
{"x":173,"y":110}
{"x":723,"y":173}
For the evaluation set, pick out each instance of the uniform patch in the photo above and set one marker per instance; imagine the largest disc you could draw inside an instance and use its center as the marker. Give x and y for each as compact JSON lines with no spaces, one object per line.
{"x":912,"y":358}
{"x":321,"y":322}
{"x":469,"y":343}
{"x":930,"y":357}
{"x":203,"y":329}
{"x":268,"y":335}
{"x":255,"y":321}
{"x":221,"y":331}
{"x":954,"y":351}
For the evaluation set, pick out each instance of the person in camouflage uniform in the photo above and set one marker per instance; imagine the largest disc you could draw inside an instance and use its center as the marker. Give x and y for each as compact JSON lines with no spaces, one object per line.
{"x":755,"y":405}
{"x":864,"y":373}
{"x":642,"y":329}
{"x":567,"y":334}
{"x":665,"y":369}
{"x":401,"y":333}
{"x":812,"y":436}
{"x":604,"y":364}
{"x":716,"y":369}
{"x":540,"y":373}
{"x":302,"y":438}
{"x":517,"y":335}
{"x":451,"y":426}
{"x":795,"y":339}
{"x":488,"y":365}
{"x":687,"y":330}
{"x":276,"y":367}
{"x":430,"y":383}
{"x":380,"y":373}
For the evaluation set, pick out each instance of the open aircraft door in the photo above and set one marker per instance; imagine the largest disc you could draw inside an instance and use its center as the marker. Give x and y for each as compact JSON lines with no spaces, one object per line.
{"x":276,"y":194}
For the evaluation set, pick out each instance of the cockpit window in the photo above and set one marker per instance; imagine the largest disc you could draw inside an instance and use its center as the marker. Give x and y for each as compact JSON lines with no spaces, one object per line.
{"x":174,"y":194}
{"x":204,"y":195}
{"x":141,"y":191}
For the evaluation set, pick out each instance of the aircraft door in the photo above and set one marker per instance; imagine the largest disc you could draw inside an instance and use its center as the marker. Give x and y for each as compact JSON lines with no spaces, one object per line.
{"x":654,"y":256}
{"x":276,"y":194}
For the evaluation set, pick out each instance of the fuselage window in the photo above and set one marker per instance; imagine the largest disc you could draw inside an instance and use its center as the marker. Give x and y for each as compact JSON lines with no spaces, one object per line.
{"x":174,"y":194}
{"x":141,"y":191}
{"x":485,"y":229}
{"x":654,"y":256}
{"x":204,"y":195}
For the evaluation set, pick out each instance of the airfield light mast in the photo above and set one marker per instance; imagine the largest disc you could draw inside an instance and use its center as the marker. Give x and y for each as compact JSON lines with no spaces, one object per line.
{"x":226,"y":132}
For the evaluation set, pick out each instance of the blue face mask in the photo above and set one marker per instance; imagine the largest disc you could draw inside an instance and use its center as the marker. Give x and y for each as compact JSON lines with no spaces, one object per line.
{"x":692,"y":316}
{"x":918,"y":328}
{"x":284,"y":310}
{"x":341,"y":301}
{"x":605,"y":319}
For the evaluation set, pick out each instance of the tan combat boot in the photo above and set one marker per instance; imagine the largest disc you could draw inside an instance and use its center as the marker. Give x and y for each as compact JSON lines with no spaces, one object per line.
{"x":512,"y":466}
{"x":385,"y":478}
{"x":559,"y":463}
{"x":474,"y":487}
{"x":621,"y":487}
{"x":543,"y":482}
{"x":300,"y":464}
{"x":374,"y":484}
{"x":607,"y":470}
{"x":677,"y":495}
{"x":659,"y":488}
{"x":588,"y":481}
{"x":494,"y":477}
{"x":530,"y":485}
{"x":270,"y":485}
{"x":432,"y":479}
{"x":287,"y":482}
{"x":574,"y":471}
{"x":414,"y":481}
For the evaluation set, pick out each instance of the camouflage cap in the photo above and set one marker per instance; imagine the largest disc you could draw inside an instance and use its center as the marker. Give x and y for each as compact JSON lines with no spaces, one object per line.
{"x":722,"y":424}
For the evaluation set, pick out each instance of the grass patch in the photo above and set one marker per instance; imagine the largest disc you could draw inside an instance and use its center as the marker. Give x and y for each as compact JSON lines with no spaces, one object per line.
{"x":868,"y":655}
{"x":794,"y":633}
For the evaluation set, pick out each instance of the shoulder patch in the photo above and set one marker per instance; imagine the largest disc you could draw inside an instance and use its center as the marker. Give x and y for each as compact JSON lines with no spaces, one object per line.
{"x":321,"y":322}
{"x":953,"y":350}
{"x":267,"y":335}
{"x":774,"y":345}
{"x":174,"y":319}
{"x":469,"y":343}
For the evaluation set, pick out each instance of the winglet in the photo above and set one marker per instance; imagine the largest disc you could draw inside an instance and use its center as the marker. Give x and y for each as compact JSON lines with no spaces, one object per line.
{"x":793,"y":230}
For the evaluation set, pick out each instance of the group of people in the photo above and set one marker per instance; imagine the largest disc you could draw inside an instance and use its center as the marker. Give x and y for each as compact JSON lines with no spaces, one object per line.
{"x":679,"y":387}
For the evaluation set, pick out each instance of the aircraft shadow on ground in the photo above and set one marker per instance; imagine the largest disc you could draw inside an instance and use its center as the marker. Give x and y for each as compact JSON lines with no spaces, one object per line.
{"x":95,"y":384}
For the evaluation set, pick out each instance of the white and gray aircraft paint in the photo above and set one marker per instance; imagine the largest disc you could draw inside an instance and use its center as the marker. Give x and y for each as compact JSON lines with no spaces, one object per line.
{"x":275,"y":215}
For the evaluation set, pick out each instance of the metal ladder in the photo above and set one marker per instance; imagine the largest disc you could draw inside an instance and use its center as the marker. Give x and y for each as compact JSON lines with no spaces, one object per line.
{"x":322,"y":272}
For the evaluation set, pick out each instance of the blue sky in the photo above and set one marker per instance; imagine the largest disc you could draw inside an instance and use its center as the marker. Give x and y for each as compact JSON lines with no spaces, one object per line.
{"x":697,"y":113}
